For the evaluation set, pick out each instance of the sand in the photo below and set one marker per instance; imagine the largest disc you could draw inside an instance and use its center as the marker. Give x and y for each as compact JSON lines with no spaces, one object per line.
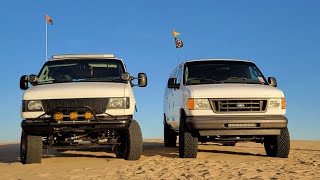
{"x":244,"y":161}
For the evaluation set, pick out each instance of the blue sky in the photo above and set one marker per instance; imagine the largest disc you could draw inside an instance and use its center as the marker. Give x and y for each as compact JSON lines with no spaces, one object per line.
{"x":283,"y":38}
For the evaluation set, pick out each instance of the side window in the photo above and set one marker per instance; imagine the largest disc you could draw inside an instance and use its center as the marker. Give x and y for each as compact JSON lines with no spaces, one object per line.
{"x":254,"y":73}
{"x":186,"y":75}
{"x":44,"y":74}
{"x":179,"y":75}
{"x":173,"y":74}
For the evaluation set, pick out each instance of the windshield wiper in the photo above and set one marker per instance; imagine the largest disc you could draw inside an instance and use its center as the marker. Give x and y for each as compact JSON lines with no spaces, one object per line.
{"x":108,"y":79}
{"x":256,"y":82}
{"x":46,"y":81}
{"x":243,"y":80}
{"x":203,"y":81}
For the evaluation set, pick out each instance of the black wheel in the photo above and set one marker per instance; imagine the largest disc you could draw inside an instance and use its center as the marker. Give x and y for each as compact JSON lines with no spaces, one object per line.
{"x":278,"y":146}
{"x":170,"y":138}
{"x":30,"y":149}
{"x":229,"y":143}
{"x":188,"y":145}
{"x":130,"y":143}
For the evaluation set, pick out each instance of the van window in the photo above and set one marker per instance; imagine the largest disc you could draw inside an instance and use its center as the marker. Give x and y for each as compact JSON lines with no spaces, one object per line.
{"x":179,"y":75}
{"x":212,"y":72}
{"x":81,"y":70}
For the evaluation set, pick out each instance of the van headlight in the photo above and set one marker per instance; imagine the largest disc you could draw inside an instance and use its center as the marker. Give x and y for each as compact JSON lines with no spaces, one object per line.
{"x":119,"y":103}
{"x":277,"y":103}
{"x":198,"y":104}
{"x":32,"y":105}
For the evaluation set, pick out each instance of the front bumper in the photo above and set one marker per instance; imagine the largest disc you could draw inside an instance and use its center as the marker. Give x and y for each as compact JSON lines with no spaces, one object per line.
{"x":237,"y":125}
{"x":41,"y":126}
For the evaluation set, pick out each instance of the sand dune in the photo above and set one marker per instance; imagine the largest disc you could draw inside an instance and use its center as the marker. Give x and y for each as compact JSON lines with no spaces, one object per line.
{"x":244,"y":161}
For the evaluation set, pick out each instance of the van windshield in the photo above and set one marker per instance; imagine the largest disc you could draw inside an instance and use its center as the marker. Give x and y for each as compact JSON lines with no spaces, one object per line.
{"x":60,"y":71}
{"x":214,"y":72}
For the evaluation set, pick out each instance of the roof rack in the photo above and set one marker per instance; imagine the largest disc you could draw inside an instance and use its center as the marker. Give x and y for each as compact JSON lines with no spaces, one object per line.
{"x":82,"y":56}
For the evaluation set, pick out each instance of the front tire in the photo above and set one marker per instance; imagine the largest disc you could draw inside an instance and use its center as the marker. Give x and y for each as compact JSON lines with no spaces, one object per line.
{"x":30,"y":149}
{"x":170,"y":138}
{"x":278,"y":146}
{"x":130,"y":143}
{"x":188,"y":145}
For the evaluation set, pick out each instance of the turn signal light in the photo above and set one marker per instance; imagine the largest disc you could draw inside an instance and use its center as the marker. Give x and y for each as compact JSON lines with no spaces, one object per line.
{"x":88,"y":115}
{"x":73,"y":116}
{"x":190,"y":103}
{"x":58,"y":116}
{"x":283,"y":103}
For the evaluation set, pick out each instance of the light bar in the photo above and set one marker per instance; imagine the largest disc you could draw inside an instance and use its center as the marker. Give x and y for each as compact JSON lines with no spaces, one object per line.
{"x":82,"y":56}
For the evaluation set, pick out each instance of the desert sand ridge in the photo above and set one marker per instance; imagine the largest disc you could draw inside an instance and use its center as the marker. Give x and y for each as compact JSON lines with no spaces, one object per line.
{"x":244,"y":161}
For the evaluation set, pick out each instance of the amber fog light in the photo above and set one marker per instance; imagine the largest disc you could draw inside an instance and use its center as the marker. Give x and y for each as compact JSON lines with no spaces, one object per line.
{"x":58,"y":116}
{"x":73,"y":116}
{"x":88,"y":115}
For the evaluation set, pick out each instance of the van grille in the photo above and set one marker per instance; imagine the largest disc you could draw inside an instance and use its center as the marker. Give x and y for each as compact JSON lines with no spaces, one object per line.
{"x":98,"y":105}
{"x":236,"y":105}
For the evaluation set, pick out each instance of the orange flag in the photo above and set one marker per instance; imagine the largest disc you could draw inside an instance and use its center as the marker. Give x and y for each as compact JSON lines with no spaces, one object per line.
{"x":49,"y":20}
{"x":175,"y":33}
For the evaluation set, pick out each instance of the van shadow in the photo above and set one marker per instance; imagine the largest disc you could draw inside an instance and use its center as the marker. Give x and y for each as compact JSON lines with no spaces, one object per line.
{"x":82,"y":152}
{"x":157,"y":149}
{"x":149,"y":149}
{"x":230,"y":152}
{"x":10,"y":153}
{"x":227,"y":151}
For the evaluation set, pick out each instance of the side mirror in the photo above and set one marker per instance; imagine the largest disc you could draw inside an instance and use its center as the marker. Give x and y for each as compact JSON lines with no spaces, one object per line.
{"x":33,"y":79}
{"x":125,"y":76}
{"x":272,"y":81}
{"x":24,"y":82}
{"x":142,"y":80}
{"x":172,"y":83}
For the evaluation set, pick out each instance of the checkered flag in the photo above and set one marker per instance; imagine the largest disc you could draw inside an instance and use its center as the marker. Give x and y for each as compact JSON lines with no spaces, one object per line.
{"x":179,"y":43}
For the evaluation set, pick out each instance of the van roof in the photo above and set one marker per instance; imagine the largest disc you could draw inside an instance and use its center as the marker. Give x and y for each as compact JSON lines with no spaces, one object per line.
{"x":83,"y":56}
{"x":216,"y":60}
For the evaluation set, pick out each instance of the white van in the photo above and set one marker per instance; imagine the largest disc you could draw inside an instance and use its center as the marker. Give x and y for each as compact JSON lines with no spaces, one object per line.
{"x":77,"y":101}
{"x":226,"y":101}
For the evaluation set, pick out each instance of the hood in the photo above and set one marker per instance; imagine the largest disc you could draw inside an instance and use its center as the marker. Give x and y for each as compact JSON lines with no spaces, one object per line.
{"x":76,"y":90}
{"x":235,"y":91}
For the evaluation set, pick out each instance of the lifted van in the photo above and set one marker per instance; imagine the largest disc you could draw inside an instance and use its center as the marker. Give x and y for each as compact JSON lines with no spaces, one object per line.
{"x":80,"y":101}
{"x":226,"y":101}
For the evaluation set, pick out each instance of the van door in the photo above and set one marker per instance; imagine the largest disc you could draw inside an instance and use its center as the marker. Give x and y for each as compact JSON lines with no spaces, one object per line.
{"x":168,"y":101}
{"x":177,"y":95}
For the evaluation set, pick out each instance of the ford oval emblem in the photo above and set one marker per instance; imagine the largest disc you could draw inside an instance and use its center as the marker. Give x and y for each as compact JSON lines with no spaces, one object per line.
{"x":240,"y":105}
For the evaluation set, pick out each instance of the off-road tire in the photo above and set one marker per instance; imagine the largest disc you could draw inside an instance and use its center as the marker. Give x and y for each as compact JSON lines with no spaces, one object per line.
{"x":170,"y":138}
{"x":130,"y":147}
{"x":278,"y":146}
{"x":30,"y":149}
{"x":188,"y":144}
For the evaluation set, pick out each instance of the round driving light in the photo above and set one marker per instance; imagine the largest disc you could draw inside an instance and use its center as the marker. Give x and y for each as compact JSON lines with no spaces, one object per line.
{"x":88,"y":115}
{"x":58,"y":116}
{"x":73,"y":116}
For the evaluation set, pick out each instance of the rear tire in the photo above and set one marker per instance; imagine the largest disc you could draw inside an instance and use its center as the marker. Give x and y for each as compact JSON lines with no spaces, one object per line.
{"x":30,"y":149}
{"x":131,"y":144}
{"x":170,"y":138}
{"x":278,"y":146}
{"x":188,"y":145}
